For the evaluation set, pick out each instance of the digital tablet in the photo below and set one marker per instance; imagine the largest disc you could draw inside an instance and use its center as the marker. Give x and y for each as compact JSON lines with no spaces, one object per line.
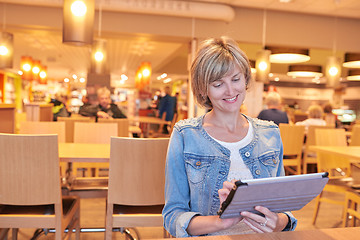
{"x":278,"y":194}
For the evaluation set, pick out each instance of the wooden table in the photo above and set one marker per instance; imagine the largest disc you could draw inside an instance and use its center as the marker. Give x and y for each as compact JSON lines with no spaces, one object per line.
{"x":352,"y":152}
{"x":323,"y":234}
{"x":84,"y":152}
{"x":147,"y":121}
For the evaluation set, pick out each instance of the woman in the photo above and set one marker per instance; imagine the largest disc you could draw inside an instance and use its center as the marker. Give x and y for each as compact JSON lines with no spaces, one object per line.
{"x":206,"y":154}
{"x":315,"y":114}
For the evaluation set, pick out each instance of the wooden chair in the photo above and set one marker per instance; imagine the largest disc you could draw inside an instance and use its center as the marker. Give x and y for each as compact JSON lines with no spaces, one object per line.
{"x":309,"y":157}
{"x":337,"y":167}
{"x":351,"y":209}
{"x":170,"y":127}
{"x":136,"y":183}
{"x":69,"y":125}
{"x":30,"y":191}
{"x":32,"y":127}
{"x":355,"y":135}
{"x":293,"y":140}
{"x":123,"y":125}
{"x":85,"y":132}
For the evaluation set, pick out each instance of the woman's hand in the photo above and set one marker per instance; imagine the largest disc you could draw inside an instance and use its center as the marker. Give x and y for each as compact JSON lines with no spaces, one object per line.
{"x":223,"y":193}
{"x":270,"y":222}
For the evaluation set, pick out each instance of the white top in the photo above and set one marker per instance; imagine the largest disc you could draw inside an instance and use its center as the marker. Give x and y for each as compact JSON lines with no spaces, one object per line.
{"x":311,"y":122}
{"x":238,"y":170}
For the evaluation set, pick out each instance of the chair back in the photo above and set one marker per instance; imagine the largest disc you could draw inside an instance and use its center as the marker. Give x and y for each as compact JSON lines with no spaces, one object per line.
{"x":355,"y":135}
{"x":335,"y":165}
{"x":86,"y":132}
{"x":69,"y":125}
{"x":292,"y":137}
{"x":31,"y":127}
{"x":351,"y":214}
{"x":29,"y":169}
{"x":123,"y":125}
{"x":137,"y":171}
{"x":310,"y":137}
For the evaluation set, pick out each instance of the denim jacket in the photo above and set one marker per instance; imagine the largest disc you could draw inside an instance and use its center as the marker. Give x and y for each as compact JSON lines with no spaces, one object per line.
{"x":197,"y":166}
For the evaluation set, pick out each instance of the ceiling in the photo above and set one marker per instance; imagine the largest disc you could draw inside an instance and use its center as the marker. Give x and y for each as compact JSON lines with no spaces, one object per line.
{"x":169,"y":56}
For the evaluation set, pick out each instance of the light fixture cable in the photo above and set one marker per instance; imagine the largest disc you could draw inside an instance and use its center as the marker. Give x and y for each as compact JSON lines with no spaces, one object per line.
{"x":100,"y":18}
{"x":264,"y":28}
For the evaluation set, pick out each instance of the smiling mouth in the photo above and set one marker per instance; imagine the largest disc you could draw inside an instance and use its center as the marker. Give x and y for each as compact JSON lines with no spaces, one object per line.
{"x":231,"y":99}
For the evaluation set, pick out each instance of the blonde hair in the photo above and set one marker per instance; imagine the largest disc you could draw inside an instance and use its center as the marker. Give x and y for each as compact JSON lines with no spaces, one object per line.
{"x":315,"y":111}
{"x":214,"y":58}
{"x":273,"y":99}
{"x":103,"y":91}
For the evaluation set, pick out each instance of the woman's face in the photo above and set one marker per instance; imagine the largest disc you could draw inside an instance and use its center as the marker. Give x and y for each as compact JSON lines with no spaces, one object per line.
{"x":228,"y":93}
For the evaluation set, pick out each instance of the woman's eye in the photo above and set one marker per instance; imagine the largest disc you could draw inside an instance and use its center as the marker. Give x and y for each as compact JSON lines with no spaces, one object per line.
{"x":217,"y":84}
{"x":236,"y":79}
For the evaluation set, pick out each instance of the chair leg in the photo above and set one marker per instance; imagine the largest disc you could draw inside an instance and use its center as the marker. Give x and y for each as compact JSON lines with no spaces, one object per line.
{"x":4,"y":233}
{"x":15,"y":233}
{"x":317,"y":206}
{"x":77,"y":233}
{"x":109,"y":221}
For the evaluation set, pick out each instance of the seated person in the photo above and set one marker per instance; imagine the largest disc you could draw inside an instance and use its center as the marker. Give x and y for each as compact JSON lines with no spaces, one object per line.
{"x":60,"y":109}
{"x":315,"y":114}
{"x":273,"y":112}
{"x":105,"y":108}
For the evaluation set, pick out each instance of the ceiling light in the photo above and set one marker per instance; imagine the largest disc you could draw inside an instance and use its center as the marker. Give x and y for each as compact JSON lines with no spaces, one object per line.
{"x":333,"y":71}
{"x":353,"y":75}
{"x":305,"y":71}
{"x":288,"y":55}
{"x":78,"y":22}
{"x":78,"y":8}
{"x":262,"y":66}
{"x":99,"y":57}
{"x":352,"y":60}
{"x":6,"y":50}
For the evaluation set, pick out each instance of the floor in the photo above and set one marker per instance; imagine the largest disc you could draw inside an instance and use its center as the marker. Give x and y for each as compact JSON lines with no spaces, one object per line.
{"x":93,"y":216}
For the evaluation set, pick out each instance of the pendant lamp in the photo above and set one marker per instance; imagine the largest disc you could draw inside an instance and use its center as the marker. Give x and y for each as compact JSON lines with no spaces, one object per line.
{"x":288,"y":55}
{"x":26,"y":67}
{"x":262,"y":66}
{"x":353,"y":75}
{"x":333,"y":71}
{"x":352,"y":60}
{"x":6,"y":50}
{"x":78,"y":22}
{"x":99,"y":57}
{"x":305,"y":71}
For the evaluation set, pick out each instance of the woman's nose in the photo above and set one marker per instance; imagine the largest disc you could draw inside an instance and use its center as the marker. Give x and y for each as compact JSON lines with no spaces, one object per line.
{"x":229,"y":89}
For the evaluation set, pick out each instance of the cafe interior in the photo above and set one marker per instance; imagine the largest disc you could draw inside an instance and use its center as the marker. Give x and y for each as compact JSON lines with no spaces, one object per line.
{"x":306,"y":51}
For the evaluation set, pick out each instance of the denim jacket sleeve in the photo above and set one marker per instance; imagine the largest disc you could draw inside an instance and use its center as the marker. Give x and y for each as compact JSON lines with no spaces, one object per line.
{"x":176,"y":213}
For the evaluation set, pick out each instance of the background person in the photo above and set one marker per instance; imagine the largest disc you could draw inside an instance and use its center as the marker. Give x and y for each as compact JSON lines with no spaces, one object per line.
{"x":60,"y":109}
{"x":207,"y":153}
{"x":167,"y":105}
{"x":273,"y":111}
{"x":105,"y":108}
{"x":315,"y":114}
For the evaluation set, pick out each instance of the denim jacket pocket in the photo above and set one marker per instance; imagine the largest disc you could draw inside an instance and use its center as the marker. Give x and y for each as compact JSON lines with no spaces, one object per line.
{"x":197,"y":167}
{"x":270,"y":159}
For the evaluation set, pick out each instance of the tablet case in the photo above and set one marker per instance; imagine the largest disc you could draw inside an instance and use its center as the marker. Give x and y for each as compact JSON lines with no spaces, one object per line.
{"x":278,"y":194}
